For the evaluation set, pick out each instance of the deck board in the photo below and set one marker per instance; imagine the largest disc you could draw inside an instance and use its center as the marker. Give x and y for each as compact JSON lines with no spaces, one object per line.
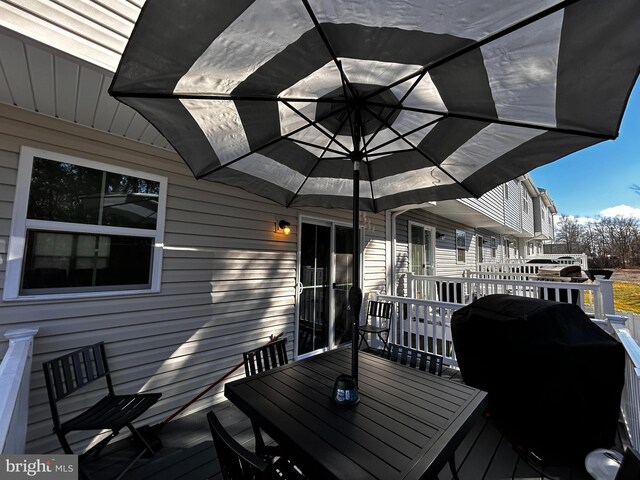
{"x":188,"y":452}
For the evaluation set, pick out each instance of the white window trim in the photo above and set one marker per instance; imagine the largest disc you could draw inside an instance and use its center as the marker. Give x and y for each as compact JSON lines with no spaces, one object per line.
{"x":458,"y":262}
{"x":20,"y":224}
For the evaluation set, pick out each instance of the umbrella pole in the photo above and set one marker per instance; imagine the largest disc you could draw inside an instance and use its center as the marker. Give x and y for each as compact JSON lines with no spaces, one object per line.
{"x":355,"y":293}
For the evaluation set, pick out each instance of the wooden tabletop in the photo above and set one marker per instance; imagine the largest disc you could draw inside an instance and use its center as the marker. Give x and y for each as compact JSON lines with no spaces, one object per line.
{"x":406,"y":426}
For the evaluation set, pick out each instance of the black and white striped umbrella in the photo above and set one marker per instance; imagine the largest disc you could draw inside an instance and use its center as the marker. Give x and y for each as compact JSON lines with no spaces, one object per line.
{"x":432,"y":99}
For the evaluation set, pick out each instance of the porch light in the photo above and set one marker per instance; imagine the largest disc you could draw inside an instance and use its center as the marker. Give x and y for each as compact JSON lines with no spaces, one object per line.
{"x":284,"y":227}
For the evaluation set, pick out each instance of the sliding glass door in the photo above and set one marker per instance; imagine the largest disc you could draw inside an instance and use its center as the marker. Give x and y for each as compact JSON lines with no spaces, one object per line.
{"x":325,"y":277}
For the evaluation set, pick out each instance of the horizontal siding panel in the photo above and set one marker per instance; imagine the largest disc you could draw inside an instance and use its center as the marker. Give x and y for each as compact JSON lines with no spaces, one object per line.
{"x":7,"y":194}
{"x":243,"y":288}
{"x":176,"y":263}
{"x":8,"y":175}
{"x":196,"y":241}
{"x":224,"y":276}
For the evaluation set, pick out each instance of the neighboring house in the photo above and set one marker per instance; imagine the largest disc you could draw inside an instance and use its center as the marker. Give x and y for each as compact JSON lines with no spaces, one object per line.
{"x":447,"y":238}
{"x":105,"y":234}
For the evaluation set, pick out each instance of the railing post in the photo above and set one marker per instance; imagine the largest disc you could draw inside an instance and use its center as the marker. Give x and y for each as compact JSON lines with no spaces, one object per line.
{"x":15,"y":373}
{"x":606,"y":293}
{"x":630,"y":401}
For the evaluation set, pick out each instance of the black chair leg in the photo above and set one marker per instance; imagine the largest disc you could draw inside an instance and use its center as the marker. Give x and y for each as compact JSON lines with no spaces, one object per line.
{"x":65,"y":445}
{"x":259,"y":445}
{"x":363,"y":338}
{"x":452,"y":466}
{"x":385,"y":342}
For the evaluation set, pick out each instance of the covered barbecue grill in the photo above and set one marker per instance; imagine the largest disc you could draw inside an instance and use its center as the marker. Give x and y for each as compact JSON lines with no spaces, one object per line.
{"x":559,"y":273}
{"x":554,"y":377}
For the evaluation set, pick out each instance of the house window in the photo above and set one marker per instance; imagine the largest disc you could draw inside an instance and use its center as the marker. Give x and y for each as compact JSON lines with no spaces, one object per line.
{"x":505,"y":245}
{"x":82,"y":228}
{"x":525,"y":200}
{"x":461,"y":246}
{"x":494,"y":247}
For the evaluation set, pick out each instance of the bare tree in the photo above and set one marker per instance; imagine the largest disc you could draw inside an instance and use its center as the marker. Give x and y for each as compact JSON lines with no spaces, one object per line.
{"x":568,"y":232}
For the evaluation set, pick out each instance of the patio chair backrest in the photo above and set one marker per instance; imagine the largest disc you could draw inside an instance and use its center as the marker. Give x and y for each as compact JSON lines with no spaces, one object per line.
{"x":266,"y":357}
{"x":427,"y":362}
{"x":381,"y":311}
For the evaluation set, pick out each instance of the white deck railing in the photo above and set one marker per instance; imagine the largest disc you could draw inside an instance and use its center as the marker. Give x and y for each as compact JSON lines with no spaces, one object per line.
{"x":594,"y":298}
{"x":514,"y":267}
{"x":15,"y":372}
{"x":630,"y":404}
{"x":424,"y":325}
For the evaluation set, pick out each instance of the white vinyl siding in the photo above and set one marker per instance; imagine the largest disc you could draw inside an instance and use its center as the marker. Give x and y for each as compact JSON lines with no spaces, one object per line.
{"x":543,"y":218}
{"x":490,"y":204}
{"x":446,"y":252}
{"x":527,"y":211}
{"x":512,"y":207}
{"x":228,"y":280}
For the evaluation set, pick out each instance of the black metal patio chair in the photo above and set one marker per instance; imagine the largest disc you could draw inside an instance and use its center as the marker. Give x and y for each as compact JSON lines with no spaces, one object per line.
{"x":378,"y":322}
{"x":238,"y":463}
{"x":260,"y":360}
{"x":73,"y":371}
{"x":266,"y":357}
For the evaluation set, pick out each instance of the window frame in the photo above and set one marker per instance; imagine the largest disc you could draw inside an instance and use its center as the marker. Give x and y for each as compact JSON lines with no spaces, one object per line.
{"x":525,"y":200}
{"x":20,"y":224}
{"x":506,"y":248}
{"x":461,"y":248}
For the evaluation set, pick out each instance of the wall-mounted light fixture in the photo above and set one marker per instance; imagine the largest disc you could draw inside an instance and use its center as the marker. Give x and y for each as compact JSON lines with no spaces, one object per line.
{"x":440,"y":235}
{"x":283,"y":227}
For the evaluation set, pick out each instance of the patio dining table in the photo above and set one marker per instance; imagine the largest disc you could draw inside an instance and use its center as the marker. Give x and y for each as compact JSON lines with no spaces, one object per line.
{"x":407,"y":424}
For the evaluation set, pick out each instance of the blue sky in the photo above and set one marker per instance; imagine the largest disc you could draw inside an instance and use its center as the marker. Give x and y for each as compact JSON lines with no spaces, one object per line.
{"x":598,"y":180}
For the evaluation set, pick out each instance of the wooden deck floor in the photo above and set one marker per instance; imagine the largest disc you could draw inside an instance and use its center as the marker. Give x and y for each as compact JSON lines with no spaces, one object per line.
{"x":188,"y":452}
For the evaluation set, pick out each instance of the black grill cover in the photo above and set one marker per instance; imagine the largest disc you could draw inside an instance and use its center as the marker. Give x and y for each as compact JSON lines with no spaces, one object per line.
{"x":554,"y":377}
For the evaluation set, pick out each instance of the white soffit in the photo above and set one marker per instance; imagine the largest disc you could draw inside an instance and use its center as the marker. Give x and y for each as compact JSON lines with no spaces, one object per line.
{"x":93,"y":31}
{"x":57,"y":57}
